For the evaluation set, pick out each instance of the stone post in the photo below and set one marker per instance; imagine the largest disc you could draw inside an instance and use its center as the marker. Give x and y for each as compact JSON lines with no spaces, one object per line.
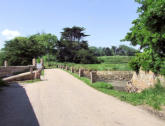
{"x":92,"y":77}
{"x":66,"y":67}
{"x":34,"y":62}
{"x":80,"y":72}
{"x":5,"y":63}
{"x":42,"y":62}
{"x":31,"y":70}
{"x":71,"y":69}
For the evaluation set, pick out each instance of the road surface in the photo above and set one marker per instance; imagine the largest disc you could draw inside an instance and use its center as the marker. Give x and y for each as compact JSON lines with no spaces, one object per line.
{"x":62,"y":100}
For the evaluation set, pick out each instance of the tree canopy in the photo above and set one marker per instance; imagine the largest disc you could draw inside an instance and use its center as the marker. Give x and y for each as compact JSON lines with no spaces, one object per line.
{"x":122,"y":50}
{"x":73,"y":34}
{"x":73,"y":48}
{"x":21,"y":50}
{"x":148,"y":32}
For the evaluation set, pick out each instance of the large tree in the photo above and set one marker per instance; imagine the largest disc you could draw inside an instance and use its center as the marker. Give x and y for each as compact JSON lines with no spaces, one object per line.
{"x":148,"y":32}
{"x":21,"y":50}
{"x":73,"y":48}
{"x":73,"y":34}
{"x":47,"y":40}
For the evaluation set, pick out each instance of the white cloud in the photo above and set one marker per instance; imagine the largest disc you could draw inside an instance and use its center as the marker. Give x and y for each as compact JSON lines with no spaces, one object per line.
{"x":9,"y":34}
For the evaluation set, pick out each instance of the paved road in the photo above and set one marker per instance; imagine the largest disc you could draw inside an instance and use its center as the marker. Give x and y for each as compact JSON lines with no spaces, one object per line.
{"x":63,"y":100}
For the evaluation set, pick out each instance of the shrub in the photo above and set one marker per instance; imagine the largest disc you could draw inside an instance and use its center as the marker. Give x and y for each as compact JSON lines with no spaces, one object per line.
{"x":102,"y":85}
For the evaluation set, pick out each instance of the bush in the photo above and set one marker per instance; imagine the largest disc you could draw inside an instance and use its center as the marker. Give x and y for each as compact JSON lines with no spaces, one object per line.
{"x":102,"y":85}
{"x":147,"y":61}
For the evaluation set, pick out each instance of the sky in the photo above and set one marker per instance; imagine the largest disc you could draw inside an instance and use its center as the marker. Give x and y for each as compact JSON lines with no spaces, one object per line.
{"x":106,"y":21}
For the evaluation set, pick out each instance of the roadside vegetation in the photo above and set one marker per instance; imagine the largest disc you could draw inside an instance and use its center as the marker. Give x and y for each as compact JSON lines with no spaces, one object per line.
{"x":148,"y":32}
{"x":106,"y":63}
{"x":154,"y":96}
{"x":72,"y":49}
{"x":31,"y":81}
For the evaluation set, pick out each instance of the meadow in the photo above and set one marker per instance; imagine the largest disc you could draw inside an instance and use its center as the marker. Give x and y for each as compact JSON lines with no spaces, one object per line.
{"x":118,"y":63}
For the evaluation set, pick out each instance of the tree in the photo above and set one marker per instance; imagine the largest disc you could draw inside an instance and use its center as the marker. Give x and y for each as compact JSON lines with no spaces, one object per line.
{"x":47,"y":40}
{"x":73,"y":48}
{"x":107,"y":51}
{"x":2,"y":57}
{"x":73,"y":34}
{"x":124,"y":50}
{"x":21,"y":50}
{"x":148,"y":31}
{"x":114,"y":49}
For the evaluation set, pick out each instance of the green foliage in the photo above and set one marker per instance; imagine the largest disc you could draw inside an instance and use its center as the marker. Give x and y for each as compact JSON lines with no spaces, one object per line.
{"x":148,"y":31}
{"x":73,"y":34}
{"x":102,"y":85}
{"x":21,"y":50}
{"x":48,"y":41}
{"x":134,"y":64}
{"x":122,"y":50}
{"x":31,"y":81}
{"x":115,"y":59}
{"x":108,"y":63}
{"x":72,"y":47}
{"x":2,"y":57}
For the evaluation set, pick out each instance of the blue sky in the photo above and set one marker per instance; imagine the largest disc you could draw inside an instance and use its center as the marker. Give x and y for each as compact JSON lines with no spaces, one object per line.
{"x":107,"y":21}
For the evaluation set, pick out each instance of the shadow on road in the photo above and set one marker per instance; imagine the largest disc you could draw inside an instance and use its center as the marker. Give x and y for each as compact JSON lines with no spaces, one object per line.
{"x":15,"y":107}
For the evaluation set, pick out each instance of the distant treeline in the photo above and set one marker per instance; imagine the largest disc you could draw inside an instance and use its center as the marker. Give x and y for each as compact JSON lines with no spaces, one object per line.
{"x":122,"y":50}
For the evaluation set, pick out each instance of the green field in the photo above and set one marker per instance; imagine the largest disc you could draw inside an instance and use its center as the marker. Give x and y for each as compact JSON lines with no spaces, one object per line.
{"x":115,"y":59}
{"x":107,"y":63}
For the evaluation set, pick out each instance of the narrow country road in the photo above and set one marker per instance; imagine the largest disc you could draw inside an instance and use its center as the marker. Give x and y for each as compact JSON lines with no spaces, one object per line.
{"x":62,"y":100}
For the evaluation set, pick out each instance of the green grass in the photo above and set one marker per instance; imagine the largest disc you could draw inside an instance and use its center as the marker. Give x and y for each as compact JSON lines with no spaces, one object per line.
{"x":99,"y":67}
{"x":154,"y":97}
{"x":31,"y":81}
{"x":42,"y":72}
{"x":107,"y":63}
{"x":115,"y":59}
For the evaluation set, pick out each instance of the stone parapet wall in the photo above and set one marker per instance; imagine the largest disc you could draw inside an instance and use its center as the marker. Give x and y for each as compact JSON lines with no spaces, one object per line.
{"x":108,"y":76}
{"x":12,"y":70}
{"x":86,"y":73}
{"x":24,"y":76}
{"x":143,"y":80}
{"x":105,"y":76}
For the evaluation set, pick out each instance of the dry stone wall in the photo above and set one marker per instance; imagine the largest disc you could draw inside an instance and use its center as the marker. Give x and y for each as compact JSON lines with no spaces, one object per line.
{"x":12,"y":70}
{"x":135,"y":82}
{"x":105,"y":76}
{"x":108,"y":76}
{"x":143,"y":80}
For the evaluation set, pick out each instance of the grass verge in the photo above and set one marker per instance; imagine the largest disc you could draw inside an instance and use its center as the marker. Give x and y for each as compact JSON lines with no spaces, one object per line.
{"x":31,"y":81}
{"x":42,"y":72}
{"x":114,"y":63}
{"x":154,"y":97}
{"x":99,"y":67}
